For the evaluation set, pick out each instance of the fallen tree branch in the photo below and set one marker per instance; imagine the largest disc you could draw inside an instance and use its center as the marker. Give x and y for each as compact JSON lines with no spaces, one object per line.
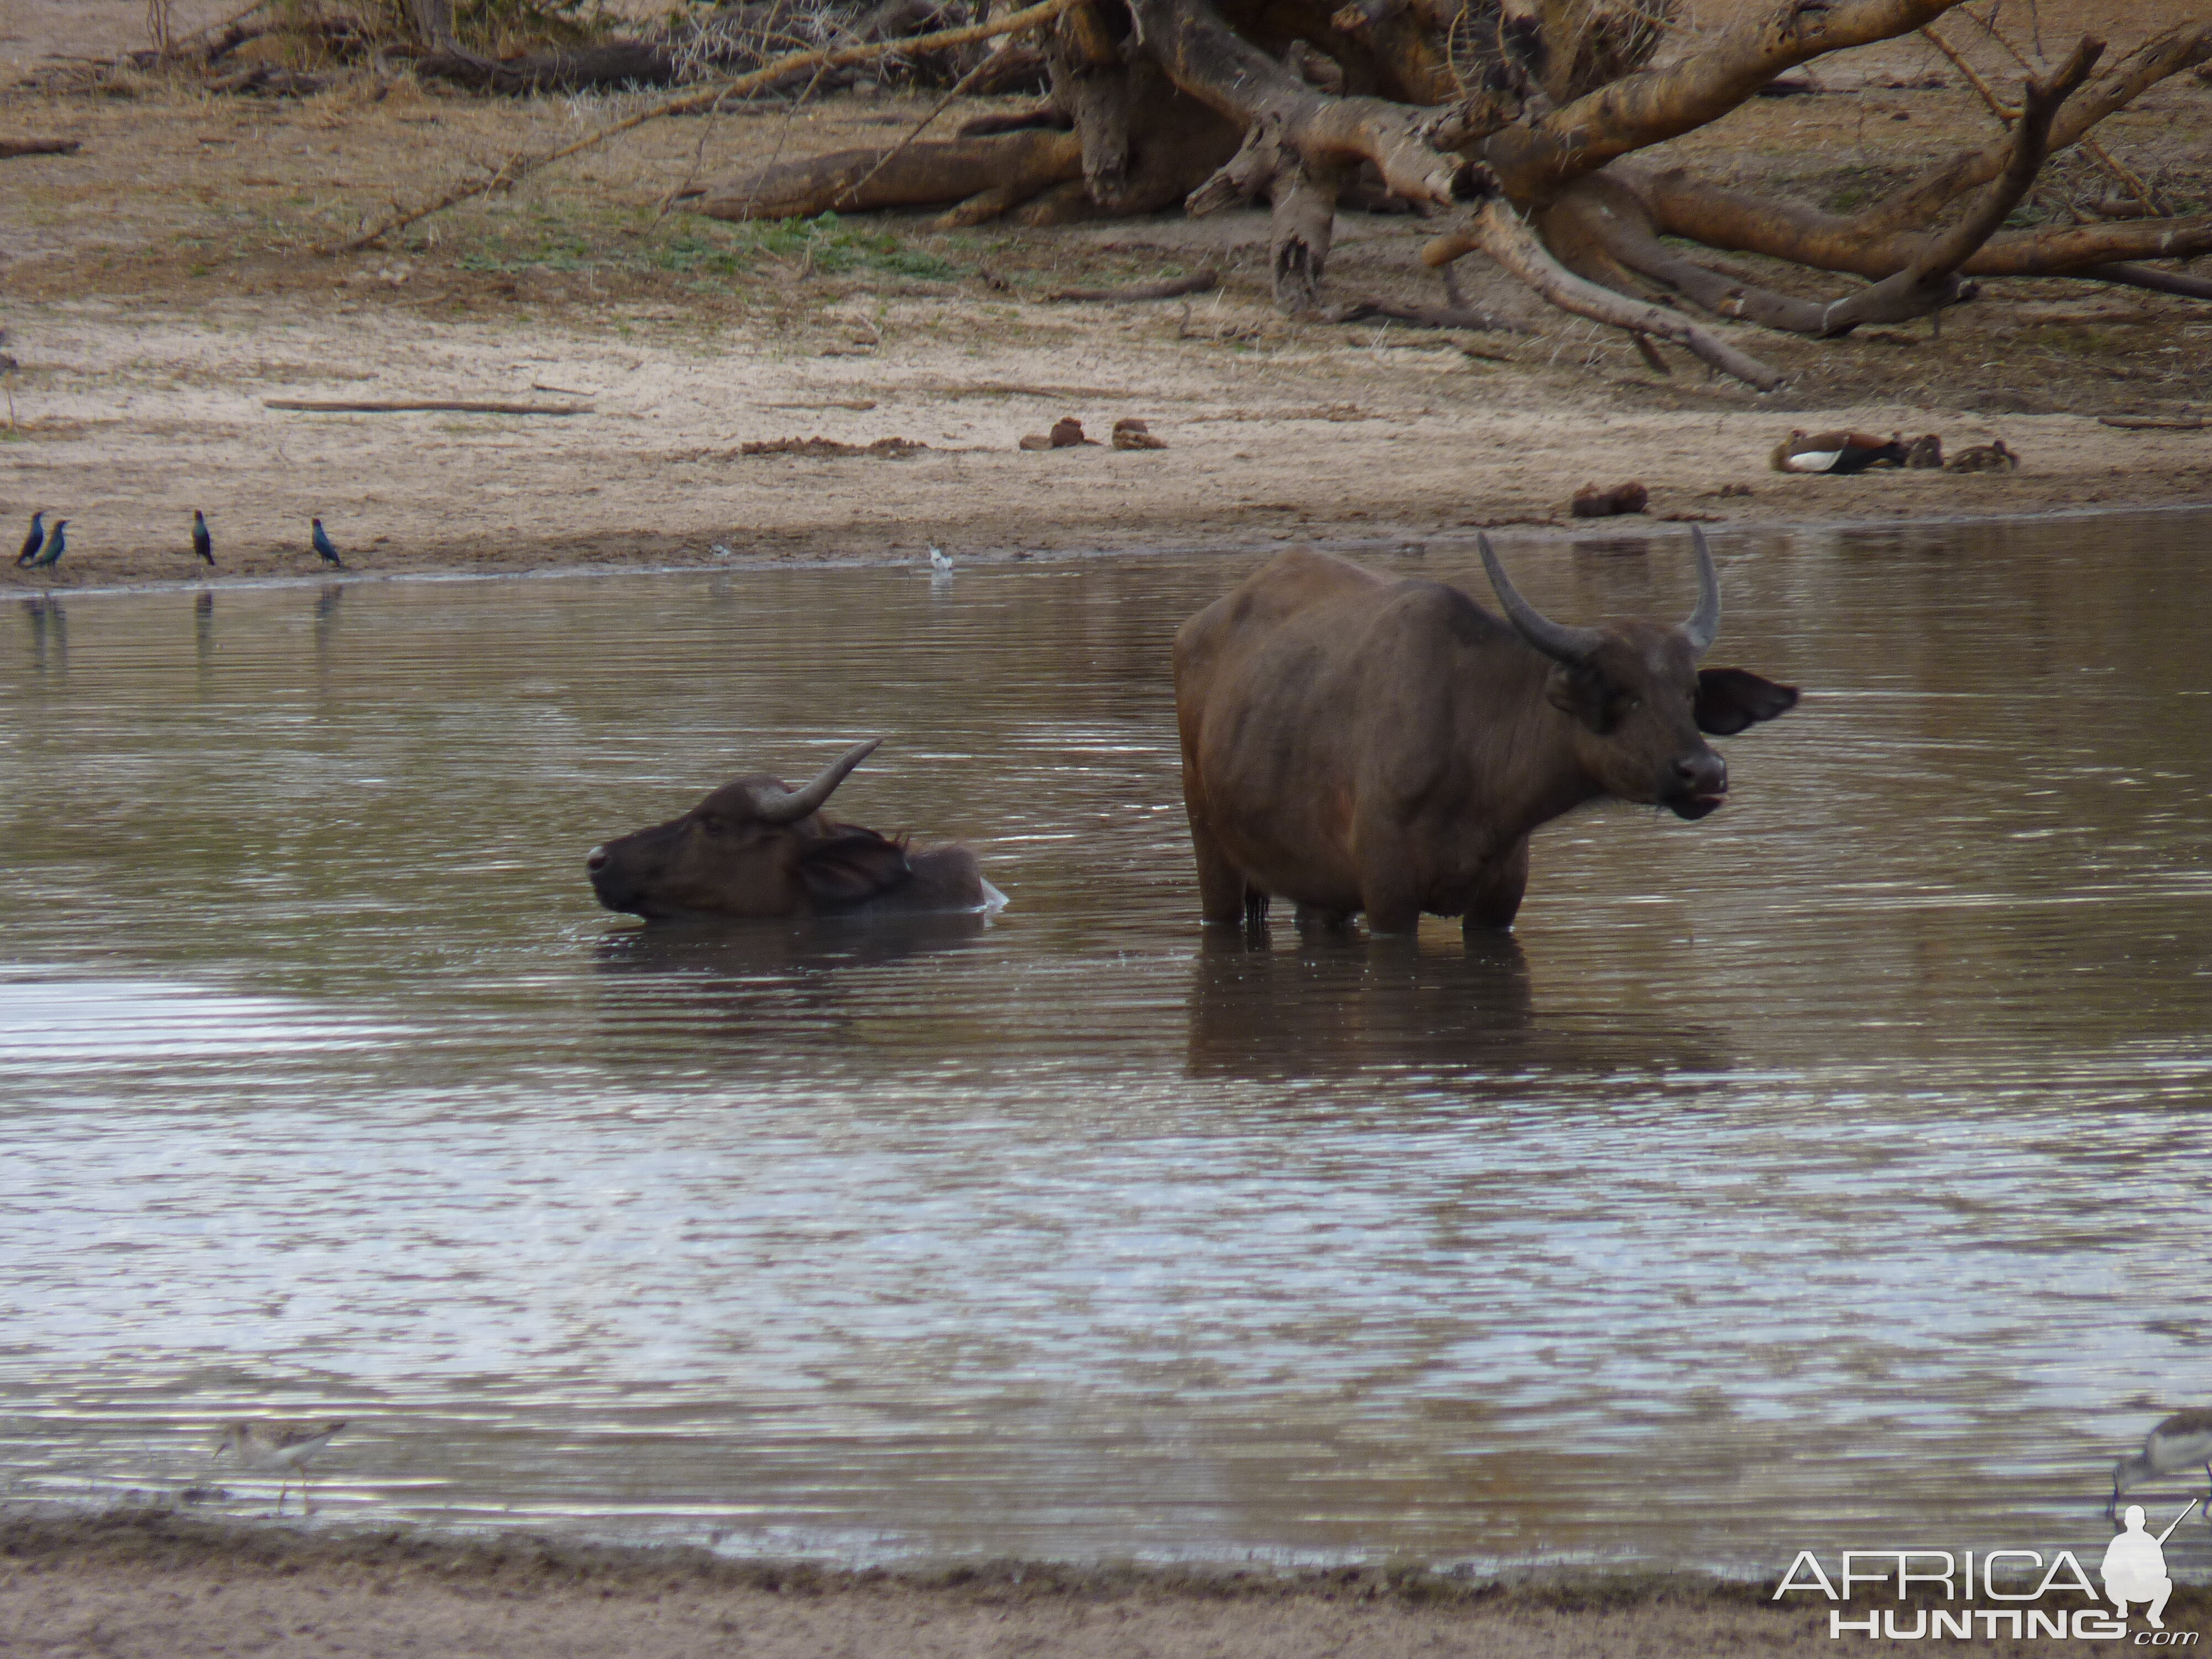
{"x":2104,"y":158}
{"x":2158,"y":282}
{"x":1929,"y":282}
{"x":2155,"y":422}
{"x":2178,"y":49}
{"x":1738,"y":221}
{"x":916,"y":129}
{"x":1197,"y":282}
{"x":11,"y":147}
{"x":1361,"y":311}
{"x":1013,"y":166}
{"x":1501,"y":232}
{"x":1536,"y":160}
{"x":614,"y":63}
{"x":407,"y":406}
{"x":1417,"y":151}
{"x":766,"y":75}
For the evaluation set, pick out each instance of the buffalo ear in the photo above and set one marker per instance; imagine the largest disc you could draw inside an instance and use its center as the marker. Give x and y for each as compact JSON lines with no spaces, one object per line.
{"x":1730,"y":699}
{"x":850,"y":867}
{"x":1582,"y":692}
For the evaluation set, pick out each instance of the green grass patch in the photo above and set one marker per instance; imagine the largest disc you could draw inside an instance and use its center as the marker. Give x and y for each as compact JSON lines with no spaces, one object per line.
{"x":828,"y":244}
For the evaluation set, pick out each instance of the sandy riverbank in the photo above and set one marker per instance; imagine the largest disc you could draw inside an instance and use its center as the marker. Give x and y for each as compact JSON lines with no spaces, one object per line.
{"x":172,"y":1588}
{"x":161,"y":289}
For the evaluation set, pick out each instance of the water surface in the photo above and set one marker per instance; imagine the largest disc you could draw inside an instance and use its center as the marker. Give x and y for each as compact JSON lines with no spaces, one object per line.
{"x":1832,"y":1171}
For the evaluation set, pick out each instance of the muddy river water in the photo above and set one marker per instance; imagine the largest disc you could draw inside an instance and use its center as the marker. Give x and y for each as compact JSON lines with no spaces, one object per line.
{"x":1835,"y":1170}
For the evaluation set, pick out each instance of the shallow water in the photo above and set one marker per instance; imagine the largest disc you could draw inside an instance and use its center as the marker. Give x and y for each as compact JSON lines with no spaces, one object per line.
{"x":1833,"y":1172}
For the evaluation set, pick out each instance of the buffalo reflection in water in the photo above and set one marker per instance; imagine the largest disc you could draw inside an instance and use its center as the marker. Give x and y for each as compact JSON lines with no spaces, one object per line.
{"x":1336,"y":1002}
{"x":763,"y":985}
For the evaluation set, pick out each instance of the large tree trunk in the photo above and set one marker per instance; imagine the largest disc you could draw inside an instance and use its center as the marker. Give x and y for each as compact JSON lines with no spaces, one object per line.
{"x":1509,"y":122}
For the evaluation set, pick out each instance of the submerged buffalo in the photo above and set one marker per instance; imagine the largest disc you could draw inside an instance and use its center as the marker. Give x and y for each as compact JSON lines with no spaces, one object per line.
{"x":757,"y":848}
{"x":1354,"y":743}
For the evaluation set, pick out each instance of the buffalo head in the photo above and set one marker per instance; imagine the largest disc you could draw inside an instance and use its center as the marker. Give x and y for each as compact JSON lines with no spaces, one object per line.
{"x":1639,"y":700}
{"x":754,"y":848}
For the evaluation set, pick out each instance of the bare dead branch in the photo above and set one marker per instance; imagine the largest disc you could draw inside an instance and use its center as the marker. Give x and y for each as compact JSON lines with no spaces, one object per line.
{"x":1534,"y":163}
{"x":739,"y":86}
{"x":2178,"y":49}
{"x":1197,"y":282}
{"x":2159,"y":282}
{"x":1930,"y":281}
{"x":1502,"y":233}
{"x":412,"y":405}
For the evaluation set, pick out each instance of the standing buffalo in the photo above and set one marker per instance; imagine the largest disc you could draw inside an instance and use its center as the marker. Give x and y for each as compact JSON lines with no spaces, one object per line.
{"x":755,"y":847}
{"x":1353,"y":742}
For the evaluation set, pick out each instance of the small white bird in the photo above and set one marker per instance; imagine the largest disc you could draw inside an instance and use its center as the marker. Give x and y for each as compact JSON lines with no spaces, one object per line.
{"x":939,"y":564}
{"x":719,"y":551}
{"x":2183,"y":1442}
{"x":274,"y":1443}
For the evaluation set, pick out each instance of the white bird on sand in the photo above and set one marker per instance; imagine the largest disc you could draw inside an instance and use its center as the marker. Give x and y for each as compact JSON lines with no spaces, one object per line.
{"x":720,"y":552}
{"x":2182,"y":1442}
{"x":275,"y":1443}
{"x":939,"y":564}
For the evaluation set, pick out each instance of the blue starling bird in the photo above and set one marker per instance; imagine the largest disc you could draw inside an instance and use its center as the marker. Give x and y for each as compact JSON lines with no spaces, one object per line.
{"x":33,"y":542}
{"x":55,"y":547}
{"x":202,"y":543}
{"x":328,"y":553}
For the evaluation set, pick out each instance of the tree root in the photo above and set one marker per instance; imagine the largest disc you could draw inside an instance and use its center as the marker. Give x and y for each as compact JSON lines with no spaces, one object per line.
{"x":1502,"y":233}
{"x":2159,"y":282}
{"x":1009,"y":168}
{"x":1535,"y":162}
{"x":618,"y":62}
{"x":1416,"y":150}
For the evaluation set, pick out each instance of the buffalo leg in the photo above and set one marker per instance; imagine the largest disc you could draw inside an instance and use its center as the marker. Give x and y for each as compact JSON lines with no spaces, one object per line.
{"x":1495,"y":898}
{"x":1222,"y":893}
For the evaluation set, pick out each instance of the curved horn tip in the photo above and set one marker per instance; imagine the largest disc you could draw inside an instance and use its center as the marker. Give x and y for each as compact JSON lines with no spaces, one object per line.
{"x":798,"y":803}
{"x":1704,"y":624}
{"x":1557,"y":641}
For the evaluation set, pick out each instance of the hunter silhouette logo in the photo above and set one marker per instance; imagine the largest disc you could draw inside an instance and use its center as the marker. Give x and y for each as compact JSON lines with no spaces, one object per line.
{"x":2135,"y":1567}
{"x":2014,"y":1593}
{"x":2133,"y":1570}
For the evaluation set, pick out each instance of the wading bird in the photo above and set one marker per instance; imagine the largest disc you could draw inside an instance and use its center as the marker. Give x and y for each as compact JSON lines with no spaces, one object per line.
{"x":324,"y":551}
{"x":202,"y":543}
{"x":275,"y":1444}
{"x":56,"y":546}
{"x":939,"y":564}
{"x":33,"y":542}
{"x":2182,"y":1442}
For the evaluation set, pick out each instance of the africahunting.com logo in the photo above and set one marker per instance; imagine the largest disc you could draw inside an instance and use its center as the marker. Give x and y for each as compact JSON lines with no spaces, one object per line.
{"x":2015,"y":1592}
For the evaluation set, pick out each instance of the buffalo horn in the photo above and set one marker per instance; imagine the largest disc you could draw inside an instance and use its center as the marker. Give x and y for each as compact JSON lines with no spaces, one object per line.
{"x":1705,"y":621}
{"x":1555,"y":639}
{"x":788,"y":806}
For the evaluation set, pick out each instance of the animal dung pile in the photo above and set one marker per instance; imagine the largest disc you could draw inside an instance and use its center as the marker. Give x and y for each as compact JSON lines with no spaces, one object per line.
{"x":1067,"y":434}
{"x":1135,"y":434}
{"x":884,"y":449}
{"x":1591,"y":503}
